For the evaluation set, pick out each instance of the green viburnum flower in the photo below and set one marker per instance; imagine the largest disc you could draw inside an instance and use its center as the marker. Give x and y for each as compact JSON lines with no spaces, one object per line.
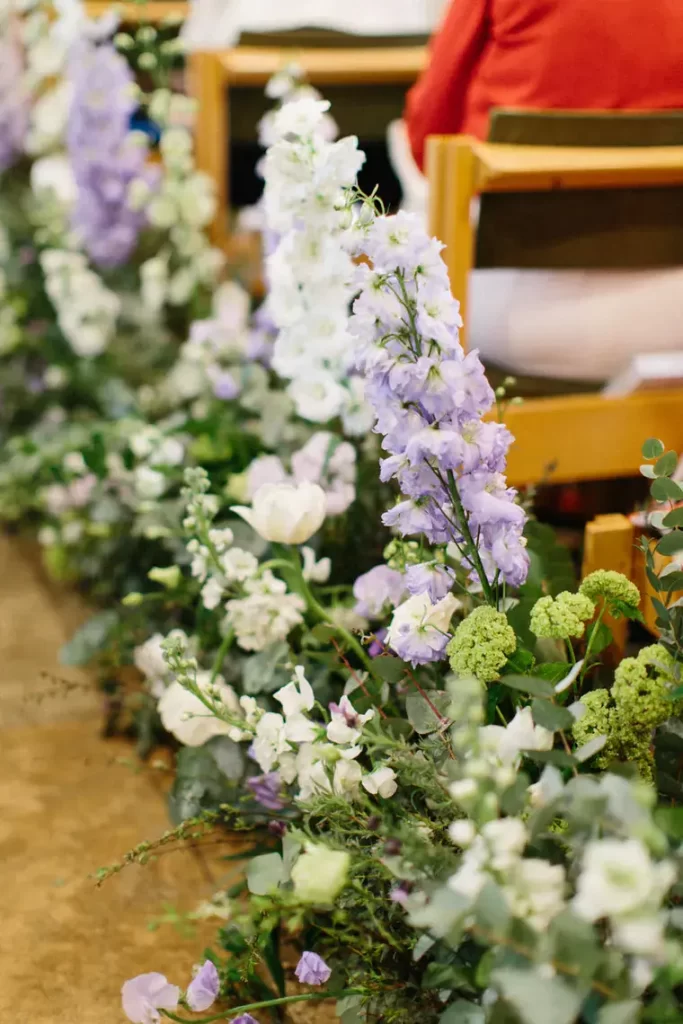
{"x":320,"y":874}
{"x":399,"y":554}
{"x":611,"y":585}
{"x":597,"y":720}
{"x":561,"y":617}
{"x":482,"y":644}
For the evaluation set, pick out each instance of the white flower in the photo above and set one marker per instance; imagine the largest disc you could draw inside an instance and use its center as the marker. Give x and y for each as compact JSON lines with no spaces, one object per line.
{"x":534,"y":891}
{"x":381,"y":782}
{"x":317,"y":396}
{"x":320,"y":874}
{"x":55,"y":174}
{"x":346,"y":779}
{"x":260,"y":620}
{"x":506,"y":743}
{"x":462,"y":832}
{"x":149,"y":483}
{"x":212,"y":593}
{"x":284,"y":513}
{"x":643,"y":935}
{"x":505,"y":839}
{"x":269,"y":741}
{"x":419,"y":616}
{"x":346,"y":724}
{"x":315,"y":572}
{"x":296,"y":699}
{"x":301,"y":117}
{"x":188,"y":718}
{"x":148,"y":658}
{"x":239,"y":565}
{"x":266,"y":469}
{"x":618,"y":878}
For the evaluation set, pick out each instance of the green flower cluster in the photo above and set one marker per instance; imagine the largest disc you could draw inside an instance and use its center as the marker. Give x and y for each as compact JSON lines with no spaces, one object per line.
{"x":561,"y":617}
{"x":630,"y":712}
{"x":399,"y":554}
{"x":611,"y":585}
{"x":482,"y":644}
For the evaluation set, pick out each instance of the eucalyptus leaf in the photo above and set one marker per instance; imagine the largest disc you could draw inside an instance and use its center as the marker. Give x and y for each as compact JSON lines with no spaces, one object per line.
{"x":421,"y":716}
{"x":228,"y":756}
{"x":551,"y":716}
{"x":463,"y":1012}
{"x":673,"y":518}
{"x":89,"y":639}
{"x":265,"y":873}
{"x":665,"y":465}
{"x":664,"y":489}
{"x":265,"y":672}
{"x":627,"y":1012}
{"x":590,"y":749}
{"x":389,"y":668}
{"x":422,"y":946}
{"x":652,"y":448}
{"x":537,"y":999}
{"x":670,"y":543}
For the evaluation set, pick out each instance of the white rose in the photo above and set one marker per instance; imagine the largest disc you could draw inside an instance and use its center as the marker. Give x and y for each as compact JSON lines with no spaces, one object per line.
{"x":284,"y":513}
{"x":381,"y":782}
{"x":619,"y":878}
{"x":320,"y":874}
{"x":188,"y":719}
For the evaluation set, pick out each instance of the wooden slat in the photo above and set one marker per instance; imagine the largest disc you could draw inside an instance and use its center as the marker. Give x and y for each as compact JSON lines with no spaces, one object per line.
{"x":207,"y":85}
{"x":254,"y":65}
{"x":589,"y":437}
{"x":154,"y":11}
{"x":506,"y":168}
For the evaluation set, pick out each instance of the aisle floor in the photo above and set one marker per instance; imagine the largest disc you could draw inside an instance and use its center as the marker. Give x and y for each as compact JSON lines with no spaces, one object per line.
{"x":71,"y":802}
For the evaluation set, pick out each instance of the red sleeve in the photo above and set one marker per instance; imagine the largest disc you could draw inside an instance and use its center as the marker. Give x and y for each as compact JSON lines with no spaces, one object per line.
{"x":436,"y":102}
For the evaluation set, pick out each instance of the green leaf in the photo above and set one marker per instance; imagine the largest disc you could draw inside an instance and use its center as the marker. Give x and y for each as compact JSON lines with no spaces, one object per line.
{"x":399,"y":728}
{"x":389,"y":668}
{"x":670,"y":820}
{"x":552,"y":671}
{"x":551,"y":716}
{"x":590,"y":749}
{"x":265,"y":672}
{"x":422,"y":946}
{"x":672,"y":581}
{"x":673,"y":518}
{"x":463,"y":1012}
{"x":491,"y":910}
{"x":603,"y":637}
{"x":421,"y":716}
{"x":520,"y":662}
{"x":529,"y":685}
{"x":323,"y":633}
{"x":199,"y":784}
{"x":628,"y":611}
{"x":537,"y":999}
{"x":620,"y":1013}
{"x":265,"y":873}
{"x":89,"y":639}
{"x":661,"y":610}
{"x":349,"y":1010}
{"x":652,"y":448}
{"x":664,"y":489}
{"x":666,"y":464}
{"x":647,"y":470}
{"x":670,"y":543}
{"x":228,"y":756}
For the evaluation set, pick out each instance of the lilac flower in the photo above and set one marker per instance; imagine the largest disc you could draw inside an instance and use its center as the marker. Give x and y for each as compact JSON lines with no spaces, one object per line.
{"x":377,"y":588}
{"x":429,"y":578}
{"x":376,"y":647}
{"x":429,"y":399}
{"x":312,"y":969}
{"x":143,"y":996}
{"x":105,"y":155}
{"x":244,"y":1018}
{"x":204,"y":987}
{"x":267,"y":789}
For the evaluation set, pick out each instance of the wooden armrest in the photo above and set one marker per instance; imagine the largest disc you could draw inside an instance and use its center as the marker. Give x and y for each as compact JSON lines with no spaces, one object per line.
{"x":510,"y":168}
{"x":154,"y":11}
{"x":254,"y":65}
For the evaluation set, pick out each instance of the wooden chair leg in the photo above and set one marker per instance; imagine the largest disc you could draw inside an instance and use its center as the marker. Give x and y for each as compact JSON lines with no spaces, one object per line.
{"x":608,"y":544}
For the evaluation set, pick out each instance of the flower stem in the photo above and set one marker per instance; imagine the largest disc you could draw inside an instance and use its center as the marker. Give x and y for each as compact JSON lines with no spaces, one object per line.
{"x":233,"y":1011}
{"x":220,"y":655}
{"x":470,"y":546}
{"x":594,"y":633}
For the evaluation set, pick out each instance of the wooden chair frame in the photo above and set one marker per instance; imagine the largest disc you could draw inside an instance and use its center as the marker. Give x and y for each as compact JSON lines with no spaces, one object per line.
{"x":213,"y":74}
{"x":584,"y":437}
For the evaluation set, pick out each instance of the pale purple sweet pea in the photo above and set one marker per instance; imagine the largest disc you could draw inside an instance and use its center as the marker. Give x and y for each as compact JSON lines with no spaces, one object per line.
{"x":431,"y":578}
{"x":224,"y":386}
{"x":143,"y":996}
{"x":204,"y":987}
{"x":376,"y":589}
{"x":312,"y":969}
{"x":267,"y":789}
{"x":244,"y":1018}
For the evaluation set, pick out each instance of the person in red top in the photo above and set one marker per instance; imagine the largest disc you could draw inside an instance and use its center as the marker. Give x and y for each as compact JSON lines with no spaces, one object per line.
{"x":546,"y":55}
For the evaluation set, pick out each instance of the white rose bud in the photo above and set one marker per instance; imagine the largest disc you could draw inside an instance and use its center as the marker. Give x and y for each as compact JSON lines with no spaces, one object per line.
{"x":319,"y":874}
{"x":286,"y":513}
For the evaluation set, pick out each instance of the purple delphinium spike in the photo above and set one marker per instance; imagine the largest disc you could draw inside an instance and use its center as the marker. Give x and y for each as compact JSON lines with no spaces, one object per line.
{"x":204,"y":987}
{"x":267,"y":789}
{"x":312,"y":969}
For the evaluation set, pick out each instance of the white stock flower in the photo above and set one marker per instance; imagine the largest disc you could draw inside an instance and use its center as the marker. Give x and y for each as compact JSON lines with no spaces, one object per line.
{"x":507,"y":742}
{"x":212,"y":593}
{"x":284,"y":513}
{"x":239,"y":565}
{"x":261,"y":619}
{"x":317,"y":396}
{"x":187,"y":717}
{"x":381,"y":782}
{"x":148,"y":658}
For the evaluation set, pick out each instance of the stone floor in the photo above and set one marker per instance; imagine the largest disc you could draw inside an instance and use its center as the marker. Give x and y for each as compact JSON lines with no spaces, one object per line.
{"x":71,"y":802}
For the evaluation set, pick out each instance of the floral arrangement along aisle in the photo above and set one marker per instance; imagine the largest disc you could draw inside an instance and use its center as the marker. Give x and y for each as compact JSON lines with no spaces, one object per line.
{"x":470,"y":832}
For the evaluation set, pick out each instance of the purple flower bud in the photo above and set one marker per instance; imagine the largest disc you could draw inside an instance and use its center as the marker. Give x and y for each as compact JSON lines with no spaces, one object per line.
{"x":143,"y":996}
{"x":400,"y":893}
{"x":277,"y":828}
{"x":312,"y":969}
{"x":204,"y":987}
{"x":244,"y":1018}
{"x":267,"y":789}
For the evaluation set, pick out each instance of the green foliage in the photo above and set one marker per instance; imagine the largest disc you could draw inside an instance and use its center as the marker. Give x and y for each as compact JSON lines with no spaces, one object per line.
{"x":89,"y":639}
